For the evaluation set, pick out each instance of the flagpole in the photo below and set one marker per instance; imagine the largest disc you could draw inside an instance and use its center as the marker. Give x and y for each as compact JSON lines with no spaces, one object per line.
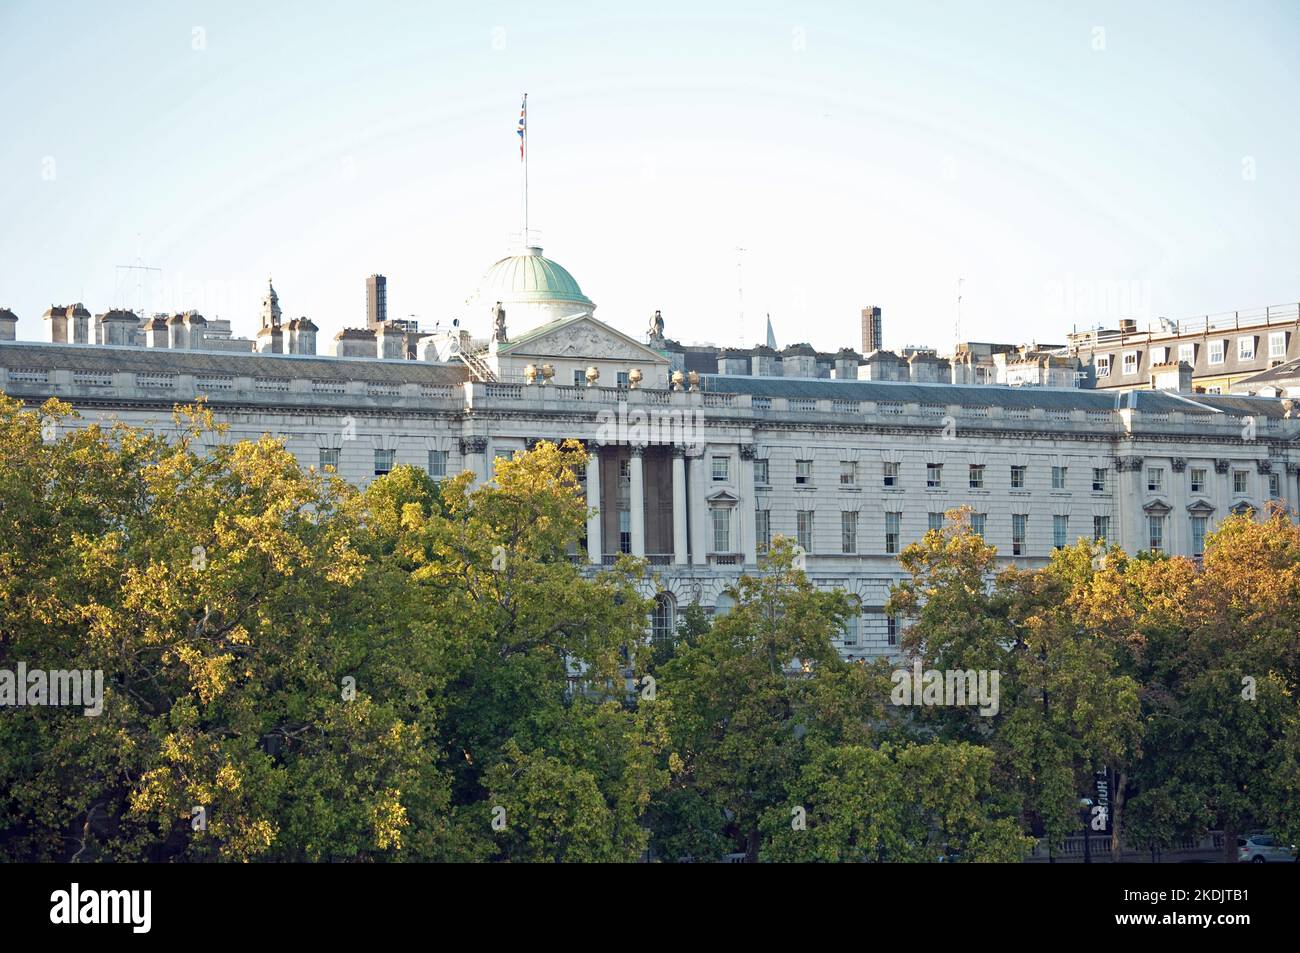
{"x":525,"y":110}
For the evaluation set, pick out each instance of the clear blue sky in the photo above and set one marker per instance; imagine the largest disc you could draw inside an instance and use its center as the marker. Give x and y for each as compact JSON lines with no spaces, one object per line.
{"x":861,"y":152}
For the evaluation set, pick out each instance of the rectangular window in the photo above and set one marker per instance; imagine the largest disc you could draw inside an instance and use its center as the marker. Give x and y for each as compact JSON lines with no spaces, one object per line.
{"x":624,"y":531}
{"x":621,"y":379}
{"x":1018,"y":478}
{"x":1198,"y":535}
{"x":1240,"y":482}
{"x":384,"y":461}
{"x":1103,"y":366}
{"x":329,"y":458}
{"x":891,"y":474}
{"x":1019,"y":533}
{"x":849,"y":532}
{"x":1101,"y":528}
{"x":1058,"y":478}
{"x":721,"y":530}
{"x":1098,"y":479}
{"x":977,"y":523}
{"x":579,"y":378}
{"x":848,"y":473}
{"x":1157,"y":527}
{"x":935,"y":521}
{"x":1277,"y":344}
{"x":803,"y":473}
{"x":760,"y":472}
{"x":804,"y":529}
{"x":934,"y":474}
{"x":1187,"y":353}
{"x":892,"y":522}
{"x":1246,"y":348}
{"x":438,"y":464}
{"x":1274,"y":486}
{"x":1158,"y":355}
{"x":721,"y":469}
{"x":976,"y":476}
{"x":1216,"y":352}
{"x":763,"y":529}
{"x":1060,"y":531}
{"x":1198,"y":479}
{"x":1155,"y":479}
{"x":891,"y":629}
{"x":1130,"y":362}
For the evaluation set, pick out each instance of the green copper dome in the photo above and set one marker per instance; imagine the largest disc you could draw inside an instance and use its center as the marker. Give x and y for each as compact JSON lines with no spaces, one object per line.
{"x":530,"y":279}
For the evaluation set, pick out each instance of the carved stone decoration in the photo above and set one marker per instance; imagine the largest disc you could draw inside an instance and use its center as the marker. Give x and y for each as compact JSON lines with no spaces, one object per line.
{"x":1179,"y":464}
{"x":678,"y":380}
{"x":637,"y":449}
{"x":1128,"y":464}
{"x":748,"y":451}
{"x":635,"y":378}
{"x":548,"y":372}
{"x":694,"y":378}
{"x":593,"y":375}
{"x":1291,"y":408}
{"x":469,"y":445}
{"x":530,"y":373}
{"x":1293,"y":469}
{"x":585,"y":340}
{"x":1263,"y":466}
{"x":1222,"y":466}
{"x":679,"y":450}
{"x":656,"y":332}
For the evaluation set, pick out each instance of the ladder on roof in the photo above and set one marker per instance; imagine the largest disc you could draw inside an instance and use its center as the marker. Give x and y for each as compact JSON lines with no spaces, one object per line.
{"x":478,"y":368}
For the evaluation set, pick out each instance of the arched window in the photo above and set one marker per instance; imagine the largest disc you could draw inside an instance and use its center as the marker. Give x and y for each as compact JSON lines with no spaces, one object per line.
{"x":723,"y":605}
{"x":663,"y":620}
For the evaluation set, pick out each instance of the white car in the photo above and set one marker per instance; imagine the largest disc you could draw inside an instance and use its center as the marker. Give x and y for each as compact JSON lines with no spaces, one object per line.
{"x":1263,"y":848}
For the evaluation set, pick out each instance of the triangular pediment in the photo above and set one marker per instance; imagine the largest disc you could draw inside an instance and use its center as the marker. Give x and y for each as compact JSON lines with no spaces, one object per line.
{"x":1200,"y":508}
{"x":1157,"y":507}
{"x":580,"y":338}
{"x":723,"y":498}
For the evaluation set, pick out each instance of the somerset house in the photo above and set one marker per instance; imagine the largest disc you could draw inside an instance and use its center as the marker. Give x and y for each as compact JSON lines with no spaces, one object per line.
{"x":699,"y":456}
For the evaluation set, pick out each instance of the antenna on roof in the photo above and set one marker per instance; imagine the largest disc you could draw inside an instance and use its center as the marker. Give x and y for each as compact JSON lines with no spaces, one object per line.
{"x":139,"y":268}
{"x":960,"y":282}
{"x":740,"y":290}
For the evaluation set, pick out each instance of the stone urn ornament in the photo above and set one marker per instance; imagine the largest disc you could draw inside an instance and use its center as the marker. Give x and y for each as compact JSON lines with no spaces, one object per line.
{"x":530,"y":373}
{"x":548,"y":372}
{"x":593,"y":375}
{"x":678,"y":380}
{"x":634,"y":379}
{"x":694,"y":378}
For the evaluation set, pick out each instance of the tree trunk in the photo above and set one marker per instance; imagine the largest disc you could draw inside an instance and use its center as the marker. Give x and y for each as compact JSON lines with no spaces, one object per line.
{"x":1229,"y":843}
{"x":1116,"y":808}
{"x":751,"y":847}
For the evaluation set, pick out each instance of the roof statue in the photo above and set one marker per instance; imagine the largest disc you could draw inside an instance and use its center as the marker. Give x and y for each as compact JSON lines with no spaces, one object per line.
{"x":498,"y":323}
{"x":656,"y":333}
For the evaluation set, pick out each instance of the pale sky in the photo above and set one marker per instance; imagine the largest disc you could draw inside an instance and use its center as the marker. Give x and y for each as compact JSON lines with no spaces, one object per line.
{"x":1073,"y":162}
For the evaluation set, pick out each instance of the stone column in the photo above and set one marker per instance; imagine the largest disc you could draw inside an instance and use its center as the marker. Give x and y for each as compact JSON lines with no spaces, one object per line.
{"x":1290,"y":478}
{"x":1132,"y":518}
{"x":637,"y":502}
{"x":594,"y":540}
{"x":748,"y":539}
{"x":699,"y":513}
{"x":474,"y":450}
{"x":1179,"y":524}
{"x":680,"y":552}
{"x":1223,"y":491}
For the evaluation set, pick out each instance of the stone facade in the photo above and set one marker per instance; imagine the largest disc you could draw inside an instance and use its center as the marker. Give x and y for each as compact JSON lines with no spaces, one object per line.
{"x":697,"y":479}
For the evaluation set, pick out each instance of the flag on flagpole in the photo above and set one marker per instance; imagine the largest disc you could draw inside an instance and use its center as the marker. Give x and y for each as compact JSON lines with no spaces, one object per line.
{"x":522,"y":130}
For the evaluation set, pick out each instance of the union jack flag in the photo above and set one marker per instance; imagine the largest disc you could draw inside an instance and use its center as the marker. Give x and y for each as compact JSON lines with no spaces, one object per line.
{"x":523,"y":127}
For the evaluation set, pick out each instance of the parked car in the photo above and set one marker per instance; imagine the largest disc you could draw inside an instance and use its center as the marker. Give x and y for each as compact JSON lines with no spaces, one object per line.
{"x":1262,"y":849}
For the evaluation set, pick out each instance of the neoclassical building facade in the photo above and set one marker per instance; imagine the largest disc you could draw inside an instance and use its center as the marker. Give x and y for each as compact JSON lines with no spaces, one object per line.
{"x":697,"y":473}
